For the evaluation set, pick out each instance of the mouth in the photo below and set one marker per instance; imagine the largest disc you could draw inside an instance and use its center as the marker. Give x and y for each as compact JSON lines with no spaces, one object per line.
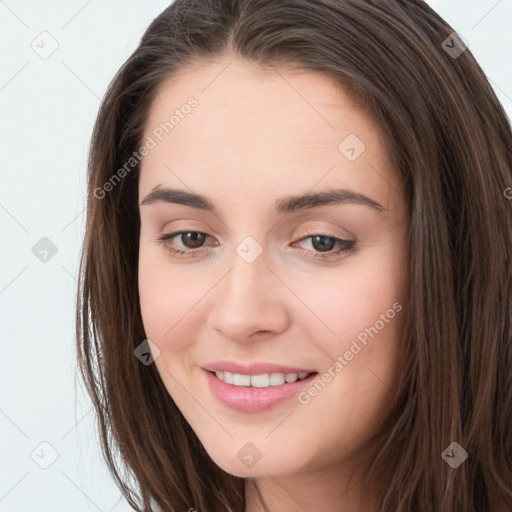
{"x":263,"y":380}
{"x":256,"y":392}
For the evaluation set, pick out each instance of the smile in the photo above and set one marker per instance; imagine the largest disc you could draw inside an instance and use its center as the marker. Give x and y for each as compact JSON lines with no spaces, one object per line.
{"x":264,"y":380}
{"x":256,"y":393}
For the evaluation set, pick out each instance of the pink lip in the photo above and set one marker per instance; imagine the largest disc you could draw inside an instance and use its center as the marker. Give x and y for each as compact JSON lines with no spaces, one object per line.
{"x":253,"y":368}
{"x":249,"y":399}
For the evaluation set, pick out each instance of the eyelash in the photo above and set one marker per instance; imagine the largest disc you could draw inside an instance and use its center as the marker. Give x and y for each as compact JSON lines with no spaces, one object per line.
{"x":346,"y":246}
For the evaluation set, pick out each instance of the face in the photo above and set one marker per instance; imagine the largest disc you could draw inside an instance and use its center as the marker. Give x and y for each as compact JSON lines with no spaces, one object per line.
{"x":272,"y":265}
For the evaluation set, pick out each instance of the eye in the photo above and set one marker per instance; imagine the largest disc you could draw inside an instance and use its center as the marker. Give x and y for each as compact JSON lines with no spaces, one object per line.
{"x":192,"y":242}
{"x":326,"y":245}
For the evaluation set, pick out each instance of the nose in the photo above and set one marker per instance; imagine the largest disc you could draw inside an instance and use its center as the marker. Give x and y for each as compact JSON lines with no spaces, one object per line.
{"x":249,"y":301}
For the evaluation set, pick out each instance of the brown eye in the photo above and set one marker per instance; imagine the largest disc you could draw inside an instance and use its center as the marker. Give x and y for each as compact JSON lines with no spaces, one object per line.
{"x":192,"y":239}
{"x":323,"y":243}
{"x":184,"y":243}
{"x":325,"y":246}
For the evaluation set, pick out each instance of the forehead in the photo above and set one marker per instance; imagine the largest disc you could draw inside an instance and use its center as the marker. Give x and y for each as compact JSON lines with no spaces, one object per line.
{"x":255,"y":129}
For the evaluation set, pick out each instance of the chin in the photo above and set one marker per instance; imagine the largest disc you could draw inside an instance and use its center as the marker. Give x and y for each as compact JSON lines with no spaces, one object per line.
{"x":248,"y":461}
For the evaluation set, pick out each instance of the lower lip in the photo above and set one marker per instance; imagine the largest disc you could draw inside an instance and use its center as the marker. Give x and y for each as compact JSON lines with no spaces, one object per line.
{"x":251,"y":399}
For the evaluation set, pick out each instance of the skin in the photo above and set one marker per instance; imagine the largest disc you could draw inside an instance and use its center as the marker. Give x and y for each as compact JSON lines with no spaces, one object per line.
{"x":255,"y":136}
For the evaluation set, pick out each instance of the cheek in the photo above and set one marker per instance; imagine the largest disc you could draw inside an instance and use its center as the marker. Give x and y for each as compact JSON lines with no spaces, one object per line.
{"x":353,"y":301}
{"x":168,"y":303}
{"x":174,"y":299}
{"x":166,"y":299}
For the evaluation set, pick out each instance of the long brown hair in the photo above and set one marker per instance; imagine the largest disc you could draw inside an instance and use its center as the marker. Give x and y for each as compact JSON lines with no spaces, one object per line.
{"x":451,"y":143}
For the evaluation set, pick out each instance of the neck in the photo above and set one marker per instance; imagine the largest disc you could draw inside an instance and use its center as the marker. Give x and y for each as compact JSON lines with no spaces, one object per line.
{"x":327,"y":491}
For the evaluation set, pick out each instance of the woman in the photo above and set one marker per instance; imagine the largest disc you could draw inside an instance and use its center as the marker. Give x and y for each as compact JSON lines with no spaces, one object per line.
{"x":296,"y":275}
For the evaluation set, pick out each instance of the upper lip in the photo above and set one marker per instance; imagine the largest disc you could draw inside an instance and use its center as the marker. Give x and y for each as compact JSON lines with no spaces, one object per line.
{"x":257,"y":368}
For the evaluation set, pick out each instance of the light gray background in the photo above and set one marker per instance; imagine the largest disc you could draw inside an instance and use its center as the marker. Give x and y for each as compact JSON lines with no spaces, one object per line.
{"x":48,"y":107}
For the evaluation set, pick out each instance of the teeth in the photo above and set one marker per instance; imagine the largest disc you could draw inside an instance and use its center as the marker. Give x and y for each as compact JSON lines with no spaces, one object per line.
{"x":241,"y":380}
{"x":276,"y":379}
{"x":260,"y":381}
{"x":264,"y":380}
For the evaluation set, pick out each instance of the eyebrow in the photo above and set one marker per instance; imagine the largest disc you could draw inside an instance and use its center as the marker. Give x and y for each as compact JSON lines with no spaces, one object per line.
{"x":286,"y":204}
